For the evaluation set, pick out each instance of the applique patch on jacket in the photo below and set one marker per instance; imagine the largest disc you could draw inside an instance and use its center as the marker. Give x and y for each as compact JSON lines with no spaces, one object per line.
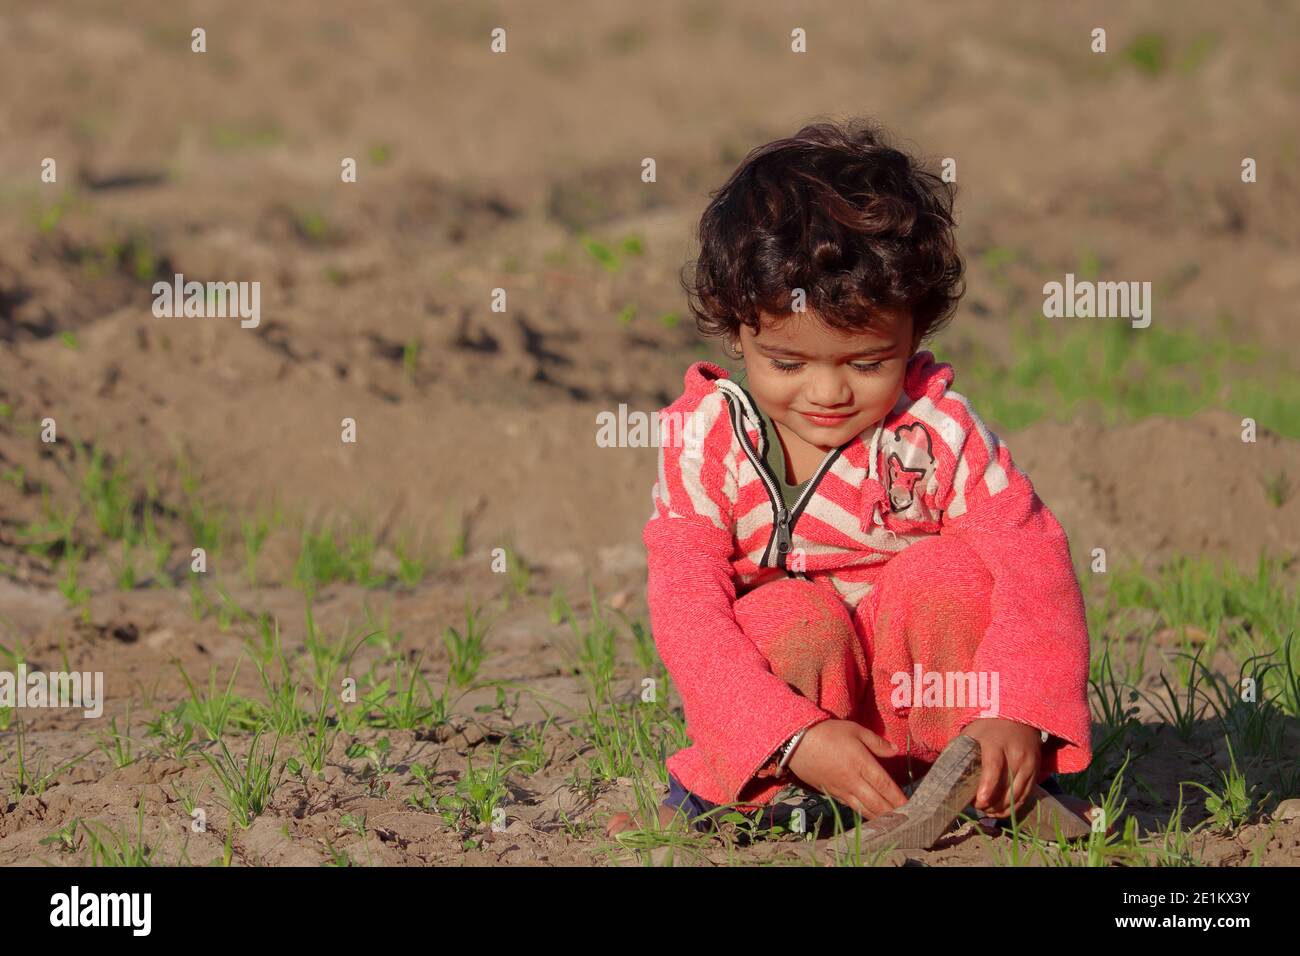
{"x":907,"y":466}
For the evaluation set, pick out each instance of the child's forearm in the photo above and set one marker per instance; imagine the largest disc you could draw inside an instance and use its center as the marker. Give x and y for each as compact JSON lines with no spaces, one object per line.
{"x":737,"y":711}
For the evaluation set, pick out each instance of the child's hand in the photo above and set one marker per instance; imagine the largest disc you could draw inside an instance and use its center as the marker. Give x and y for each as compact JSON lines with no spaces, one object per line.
{"x":836,"y":757}
{"x":1005,"y":747}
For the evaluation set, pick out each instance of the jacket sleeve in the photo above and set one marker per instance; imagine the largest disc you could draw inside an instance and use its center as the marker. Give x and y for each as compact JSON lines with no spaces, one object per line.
{"x":738,"y":713}
{"x":1037,"y":639}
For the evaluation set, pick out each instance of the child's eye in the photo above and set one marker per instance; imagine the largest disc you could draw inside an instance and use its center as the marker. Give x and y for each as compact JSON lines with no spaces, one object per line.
{"x":864,"y":367}
{"x":786,"y":366}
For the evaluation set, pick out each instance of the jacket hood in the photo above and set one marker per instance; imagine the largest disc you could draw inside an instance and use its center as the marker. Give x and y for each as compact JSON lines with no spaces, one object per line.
{"x":701,"y":376}
{"x":925,"y":376}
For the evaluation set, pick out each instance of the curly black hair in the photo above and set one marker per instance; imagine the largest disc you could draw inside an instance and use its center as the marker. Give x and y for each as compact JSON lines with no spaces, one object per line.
{"x":838,"y":212}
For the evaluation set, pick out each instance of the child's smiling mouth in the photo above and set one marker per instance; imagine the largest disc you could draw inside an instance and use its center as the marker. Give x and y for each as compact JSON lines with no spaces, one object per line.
{"x":826,"y":420}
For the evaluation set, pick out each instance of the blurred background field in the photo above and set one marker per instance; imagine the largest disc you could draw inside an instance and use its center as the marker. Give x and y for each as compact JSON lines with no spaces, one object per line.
{"x":503,"y":685}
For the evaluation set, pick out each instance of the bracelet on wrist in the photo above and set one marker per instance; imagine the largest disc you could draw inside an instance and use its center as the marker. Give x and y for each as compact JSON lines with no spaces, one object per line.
{"x":788,"y":750}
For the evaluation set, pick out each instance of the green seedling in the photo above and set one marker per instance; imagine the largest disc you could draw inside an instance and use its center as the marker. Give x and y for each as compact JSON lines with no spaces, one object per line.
{"x":377,"y":756}
{"x":187,"y":796}
{"x":254,"y":533}
{"x":311,"y":226}
{"x":282,"y":712}
{"x":228,"y":847}
{"x":48,"y":218}
{"x":1253,"y":723}
{"x":411,"y":359}
{"x":159,"y":549}
{"x":68,"y":586}
{"x":337,"y":857}
{"x":326,"y":656}
{"x":532,"y":745}
{"x":1278,"y":489}
{"x":55,"y":533}
{"x":502,"y":705}
{"x":1182,"y":710}
{"x":15,"y":657}
{"x":356,"y":823}
{"x":1170,"y":845}
{"x":413,"y":705}
{"x":466,"y":650}
{"x":206,"y":526}
{"x":321,"y":561}
{"x":114,"y":848}
{"x":1147,"y":52}
{"x":246,"y":136}
{"x":175,"y":734}
{"x":426,"y":797}
{"x":459,"y":545}
{"x":229,"y":611}
{"x":380,"y":633}
{"x":518,"y":573}
{"x":206,"y":523}
{"x":1288,"y":696}
{"x":263,"y":646}
{"x":1115,"y":702}
{"x":117,"y":746}
{"x":1233,"y":805}
{"x":124,"y":573}
{"x":410,"y":567}
{"x":248,"y":784}
{"x":104,"y":490}
{"x":557,"y":608}
{"x":646,"y":654}
{"x":64,"y":839}
{"x":30,"y":779}
{"x":602,"y":253}
{"x":213,"y":712}
{"x":619,"y":736}
{"x":316,"y":742}
{"x":199,"y":603}
{"x":594,"y":647}
{"x":1104,"y":845}
{"x":478,"y":795}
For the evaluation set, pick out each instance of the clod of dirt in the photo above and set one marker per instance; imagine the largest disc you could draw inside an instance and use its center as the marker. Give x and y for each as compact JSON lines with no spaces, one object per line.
{"x":126,"y":633}
{"x":1287,"y":810}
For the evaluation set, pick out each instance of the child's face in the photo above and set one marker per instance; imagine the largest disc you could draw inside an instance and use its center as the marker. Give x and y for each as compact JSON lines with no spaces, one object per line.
{"x":826,"y":386}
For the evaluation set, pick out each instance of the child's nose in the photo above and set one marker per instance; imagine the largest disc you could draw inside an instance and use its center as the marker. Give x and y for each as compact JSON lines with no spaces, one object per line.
{"x":829,"y":389}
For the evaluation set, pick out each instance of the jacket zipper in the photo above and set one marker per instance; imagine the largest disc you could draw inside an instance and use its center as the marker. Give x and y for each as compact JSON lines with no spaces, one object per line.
{"x":793,"y":515}
{"x":783,"y":526}
{"x":780,"y":531}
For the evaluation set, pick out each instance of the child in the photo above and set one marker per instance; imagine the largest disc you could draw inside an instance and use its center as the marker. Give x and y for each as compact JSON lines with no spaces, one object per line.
{"x":843,"y":525}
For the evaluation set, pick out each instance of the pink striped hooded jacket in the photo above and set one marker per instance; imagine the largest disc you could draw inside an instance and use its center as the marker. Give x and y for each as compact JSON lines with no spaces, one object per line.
{"x":720,"y":528}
